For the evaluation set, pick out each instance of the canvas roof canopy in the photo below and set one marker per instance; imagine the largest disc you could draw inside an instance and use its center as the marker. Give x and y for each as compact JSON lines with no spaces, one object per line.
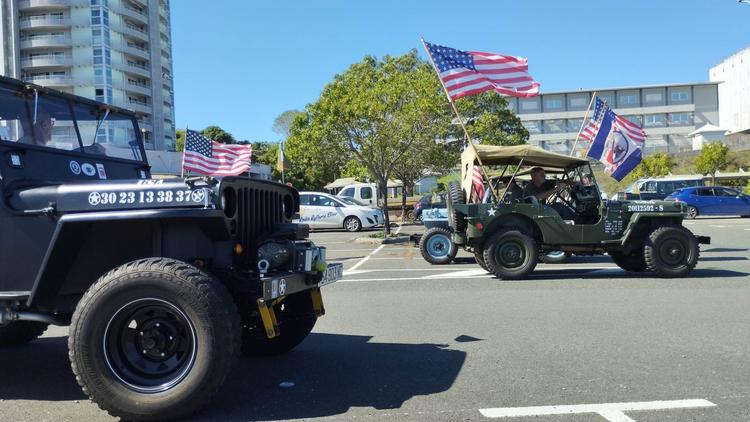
{"x":494,"y":155}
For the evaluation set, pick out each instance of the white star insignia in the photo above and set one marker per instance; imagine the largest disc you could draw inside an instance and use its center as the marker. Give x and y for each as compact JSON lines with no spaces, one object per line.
{"x":491,"y":212}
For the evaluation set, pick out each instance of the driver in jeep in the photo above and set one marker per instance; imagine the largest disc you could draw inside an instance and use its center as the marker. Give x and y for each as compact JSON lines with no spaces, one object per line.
{"x":542,"y":189}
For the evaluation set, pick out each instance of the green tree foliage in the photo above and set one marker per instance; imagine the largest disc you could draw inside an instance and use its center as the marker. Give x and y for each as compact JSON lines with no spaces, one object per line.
{"x":442,"y":182}
{"x":283,"y":122}
{"x":179,"y":143}
{"x":375,"y":112}
{"x":354,"y":169}
{"x":489,"y":120}
{"x":654,"y":165}
{"x":713,"y":158}
{"x":314,"y":159}
{"x":218,"y":134}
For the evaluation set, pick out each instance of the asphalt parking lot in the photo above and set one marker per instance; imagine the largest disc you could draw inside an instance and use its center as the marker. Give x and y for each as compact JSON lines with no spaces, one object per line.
{"x":404,"y":340}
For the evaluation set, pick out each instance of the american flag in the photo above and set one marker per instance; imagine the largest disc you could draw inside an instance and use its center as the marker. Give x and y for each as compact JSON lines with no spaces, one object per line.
{"x":465,"y":73}
{"x":205,"y":156}
{"x":477,"y":193}
{"x":602,"y":111}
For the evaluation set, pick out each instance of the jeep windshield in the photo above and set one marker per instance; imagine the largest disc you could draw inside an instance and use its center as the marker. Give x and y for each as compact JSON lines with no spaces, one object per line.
{"x":44,"y":119}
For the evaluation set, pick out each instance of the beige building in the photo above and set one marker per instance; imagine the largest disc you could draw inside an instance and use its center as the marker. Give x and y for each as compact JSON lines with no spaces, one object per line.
{"x":115,"y":51}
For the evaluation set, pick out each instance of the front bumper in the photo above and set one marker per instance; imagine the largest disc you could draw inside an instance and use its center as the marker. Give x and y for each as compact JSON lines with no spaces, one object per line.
{"x":286,"y":284}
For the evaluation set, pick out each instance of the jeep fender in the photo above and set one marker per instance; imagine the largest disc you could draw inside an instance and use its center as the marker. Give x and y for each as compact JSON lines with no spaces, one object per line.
{"x":520,"y":221}
{"x":641,"y":224}
{"x":85,"y":246}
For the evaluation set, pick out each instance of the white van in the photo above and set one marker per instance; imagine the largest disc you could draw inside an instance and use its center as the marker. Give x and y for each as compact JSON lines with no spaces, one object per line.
{"x":365,"y":193}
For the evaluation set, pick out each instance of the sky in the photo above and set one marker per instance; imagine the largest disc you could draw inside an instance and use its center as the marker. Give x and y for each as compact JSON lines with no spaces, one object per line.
{"x":240,"y":63}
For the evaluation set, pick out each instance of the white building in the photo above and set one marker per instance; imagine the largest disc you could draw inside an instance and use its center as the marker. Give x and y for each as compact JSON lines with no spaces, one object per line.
{"x":733,"y":73}
{"x":114,"y":51}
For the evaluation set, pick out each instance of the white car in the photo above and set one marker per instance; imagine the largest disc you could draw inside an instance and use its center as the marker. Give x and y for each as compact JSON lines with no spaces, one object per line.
{"x":321,"y":210}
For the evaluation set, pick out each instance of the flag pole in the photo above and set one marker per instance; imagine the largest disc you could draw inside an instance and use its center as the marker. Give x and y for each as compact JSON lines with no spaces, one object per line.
{"x":583,"y":122}
{"x":461,"y":122}
{"x":182,"y":166}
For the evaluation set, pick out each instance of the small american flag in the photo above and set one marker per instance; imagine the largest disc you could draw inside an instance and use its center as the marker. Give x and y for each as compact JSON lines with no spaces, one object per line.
{"x":465,"y":73}
{"x":602,"y":110}
{"x":205,"y":156}
{"x":477,"y":193}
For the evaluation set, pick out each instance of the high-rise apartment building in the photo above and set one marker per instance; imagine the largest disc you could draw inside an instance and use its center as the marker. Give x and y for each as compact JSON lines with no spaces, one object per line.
{"x":114,"y":51}
{"x":733,"y":77}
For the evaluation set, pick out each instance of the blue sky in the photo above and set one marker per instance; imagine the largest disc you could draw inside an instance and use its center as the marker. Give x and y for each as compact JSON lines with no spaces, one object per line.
{"x":238,"y":64}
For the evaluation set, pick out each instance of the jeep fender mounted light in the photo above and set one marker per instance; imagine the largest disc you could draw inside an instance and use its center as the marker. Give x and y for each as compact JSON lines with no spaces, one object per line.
{"x":480,"y":226}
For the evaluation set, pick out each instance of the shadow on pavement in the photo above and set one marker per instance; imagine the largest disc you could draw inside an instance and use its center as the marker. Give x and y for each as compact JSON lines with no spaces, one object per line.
{"x":572,"y":274}
{"x":725,"y":250}
{"x":39,"y":370}
{"x":723,"y":258}
{"x":333,"y":373}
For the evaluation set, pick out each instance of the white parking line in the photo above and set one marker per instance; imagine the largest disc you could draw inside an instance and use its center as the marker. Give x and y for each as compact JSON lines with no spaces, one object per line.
{"x":365,"y":259}
{"x":612,"y":412}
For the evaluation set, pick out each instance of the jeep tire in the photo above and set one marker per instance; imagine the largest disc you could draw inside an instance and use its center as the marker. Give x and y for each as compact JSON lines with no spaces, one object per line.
{"x":510,"y":254}
{"x":671,"y":251}
{"x":456,"y":197}
{"x":153,"y":339}
{"x":19,"y":333}
{"x":296,"y":319}
{"x":436,"y":246}
{"x":633,"y":262}
{"x":479,"y":257}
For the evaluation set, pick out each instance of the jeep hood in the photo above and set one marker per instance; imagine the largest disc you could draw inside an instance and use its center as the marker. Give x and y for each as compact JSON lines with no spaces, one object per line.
{"x":109,"y":195}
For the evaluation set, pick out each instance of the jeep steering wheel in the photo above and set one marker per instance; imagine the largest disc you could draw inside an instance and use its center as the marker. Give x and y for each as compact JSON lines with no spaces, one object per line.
{"x":558,"y":195}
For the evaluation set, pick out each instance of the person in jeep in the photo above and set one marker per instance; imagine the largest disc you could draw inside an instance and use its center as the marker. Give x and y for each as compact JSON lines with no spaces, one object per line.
{"x":542,"y":189}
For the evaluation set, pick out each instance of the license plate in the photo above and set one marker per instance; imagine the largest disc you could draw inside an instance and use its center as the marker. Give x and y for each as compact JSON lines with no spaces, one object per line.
{"x":333,"y":273}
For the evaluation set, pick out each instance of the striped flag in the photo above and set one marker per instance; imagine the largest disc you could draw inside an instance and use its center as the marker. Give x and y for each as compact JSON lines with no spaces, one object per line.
{"x":477,"y":193}
{"x":615,"y":142}
{"x":466,"y":73}
{"x":212,"y":158}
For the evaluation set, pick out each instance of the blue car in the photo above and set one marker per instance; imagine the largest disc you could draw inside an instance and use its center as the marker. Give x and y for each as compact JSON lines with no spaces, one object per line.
{"x":712,"y":200}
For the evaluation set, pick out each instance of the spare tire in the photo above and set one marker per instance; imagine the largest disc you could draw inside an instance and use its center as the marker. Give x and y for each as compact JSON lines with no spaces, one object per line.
{"x":456,"y":196}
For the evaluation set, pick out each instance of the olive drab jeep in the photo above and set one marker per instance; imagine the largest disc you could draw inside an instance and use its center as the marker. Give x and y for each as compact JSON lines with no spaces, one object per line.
{"x":162,"y":281}
{"x":508,"y":231}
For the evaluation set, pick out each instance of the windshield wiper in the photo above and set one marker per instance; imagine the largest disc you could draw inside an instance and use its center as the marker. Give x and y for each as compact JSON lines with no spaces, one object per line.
{"x":99,"y":124}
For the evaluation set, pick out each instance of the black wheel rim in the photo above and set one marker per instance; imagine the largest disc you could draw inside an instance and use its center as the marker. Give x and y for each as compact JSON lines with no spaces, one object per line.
{"x":673,"y":251}
{"x":150,"y":345}
{"x":511,"y":254}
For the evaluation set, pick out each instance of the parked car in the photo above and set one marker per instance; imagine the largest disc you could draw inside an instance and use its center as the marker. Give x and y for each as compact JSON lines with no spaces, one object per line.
{"x":657,"y":188}
{"x":427,"y":202}
{"x":713,"y":200}
{"x":321,"y":210}
{"x":362,"y":192}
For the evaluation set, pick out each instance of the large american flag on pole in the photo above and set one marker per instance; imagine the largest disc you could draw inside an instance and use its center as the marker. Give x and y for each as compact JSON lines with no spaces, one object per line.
{"x":212,"y":158}
{"x":465,"y":73}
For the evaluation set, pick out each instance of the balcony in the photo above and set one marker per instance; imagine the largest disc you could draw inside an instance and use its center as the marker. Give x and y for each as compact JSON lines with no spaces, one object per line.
{"x":135,"y":50}
{"x":135,"y":69}
{"x":47,"y":41}
{"x":43,"y":4}
{"x":39,"y":22}
{"x":46,"y":61}
{"x":131,"y":30}
{"x":142,"y":89}
{"x":51,"y":80}
{"x":136,"y":105}
{"x":135,"y":14}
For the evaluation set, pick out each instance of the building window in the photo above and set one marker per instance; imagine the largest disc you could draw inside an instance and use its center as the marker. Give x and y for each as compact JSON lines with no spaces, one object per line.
{"x":533,"y":126}
{"x":653,"y":98}
{"x":554,"y":126}
{"x":529,"y":104}
{"x":553,"y":103}
{"x":578,"y":103}
{"x":680,"y":119}
{"x":574,"y":125}
{"x":654,"y":120}
{"x":679,"y":96}
{"x":635,"y":119}
{"x":627,"y":100}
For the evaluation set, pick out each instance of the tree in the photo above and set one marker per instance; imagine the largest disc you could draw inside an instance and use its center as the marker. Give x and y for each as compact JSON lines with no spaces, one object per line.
{"x":283,"y":122}
{"x":655,"y":165}
{"x":218,"y":134}
{"x":377,"y":111}
{"x":713,"y":158}
{"x":315,"y":160}
{"x":489,"y":121}
{"x":179,"y":143}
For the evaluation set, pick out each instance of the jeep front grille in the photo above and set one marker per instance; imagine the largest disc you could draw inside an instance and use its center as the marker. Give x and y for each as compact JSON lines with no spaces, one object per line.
{"x":258,"y":212}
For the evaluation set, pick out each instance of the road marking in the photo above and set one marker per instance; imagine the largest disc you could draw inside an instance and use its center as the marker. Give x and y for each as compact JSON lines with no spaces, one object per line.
{"x":718,"y":226}
{"x":612,"y":412}
{"x":363,"y":260}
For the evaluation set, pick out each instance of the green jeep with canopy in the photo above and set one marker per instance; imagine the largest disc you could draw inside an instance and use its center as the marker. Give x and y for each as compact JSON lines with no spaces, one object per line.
{"x":507,"y":232}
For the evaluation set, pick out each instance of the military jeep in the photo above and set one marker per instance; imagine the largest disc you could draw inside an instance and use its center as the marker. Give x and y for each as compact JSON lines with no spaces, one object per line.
{"x":162,"y":281}
{"x":507,"y":233}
